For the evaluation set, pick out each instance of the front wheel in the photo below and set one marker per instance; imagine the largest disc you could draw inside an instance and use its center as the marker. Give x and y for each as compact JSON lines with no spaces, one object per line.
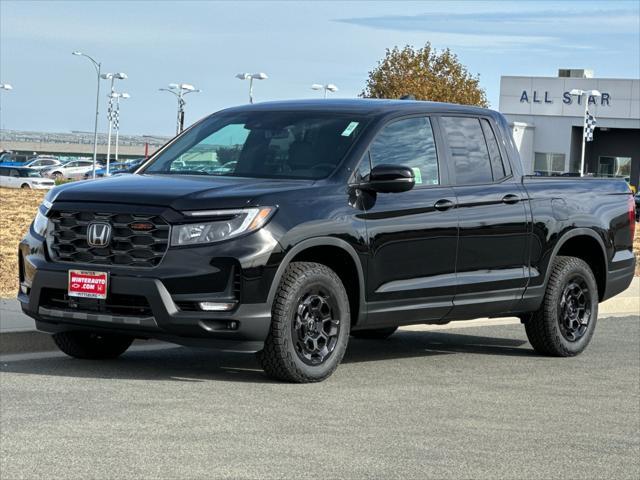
{"x":310,"y":324}
{"x":93,"y":346}
{"x":565,"y":323}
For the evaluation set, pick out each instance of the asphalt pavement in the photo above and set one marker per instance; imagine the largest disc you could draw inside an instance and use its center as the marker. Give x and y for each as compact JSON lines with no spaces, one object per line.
{"x":462,"y":403}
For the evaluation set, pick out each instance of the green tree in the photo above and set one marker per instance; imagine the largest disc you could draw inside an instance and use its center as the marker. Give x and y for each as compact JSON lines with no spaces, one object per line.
{"x":425,"y":73}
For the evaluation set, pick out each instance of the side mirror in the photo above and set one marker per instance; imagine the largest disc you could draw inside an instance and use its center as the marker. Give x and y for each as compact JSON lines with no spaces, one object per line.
{"x":390,"y":179}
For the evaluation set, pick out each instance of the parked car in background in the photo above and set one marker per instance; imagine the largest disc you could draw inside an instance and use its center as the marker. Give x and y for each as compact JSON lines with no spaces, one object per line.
{"x":9,"y":158}
{"x":115,"y":168}
{"x":41,"y":163}
{"x":73,"y":170}
{"x":20,"y":177}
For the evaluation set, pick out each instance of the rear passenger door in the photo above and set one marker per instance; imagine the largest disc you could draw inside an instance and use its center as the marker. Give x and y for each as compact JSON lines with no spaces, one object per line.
{"x":411,"y":235}
{"x":493,"y":239}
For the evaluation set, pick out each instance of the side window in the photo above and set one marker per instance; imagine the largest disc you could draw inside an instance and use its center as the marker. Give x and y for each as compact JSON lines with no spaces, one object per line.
{"x":14,"y":173}
{"x":468,"y":150}
{"x":497,"y":164}
{"x":4,"y":172}
{"x":409,"y":143}
{"x":72,"y":164}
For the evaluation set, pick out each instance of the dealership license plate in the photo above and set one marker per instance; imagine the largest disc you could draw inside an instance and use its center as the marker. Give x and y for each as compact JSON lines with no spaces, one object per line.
{"x":88,"y":284}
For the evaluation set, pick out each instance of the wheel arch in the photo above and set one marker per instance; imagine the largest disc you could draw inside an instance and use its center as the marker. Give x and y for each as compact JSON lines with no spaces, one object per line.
{"x":338,"y":255}
{"x":585,"y":244}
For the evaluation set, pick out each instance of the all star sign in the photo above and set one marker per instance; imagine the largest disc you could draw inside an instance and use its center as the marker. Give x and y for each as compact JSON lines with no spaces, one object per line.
{"x":535,"y":96}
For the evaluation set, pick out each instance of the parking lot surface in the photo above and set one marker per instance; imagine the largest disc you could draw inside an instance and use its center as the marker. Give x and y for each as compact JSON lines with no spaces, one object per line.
{"x":461,"y":403}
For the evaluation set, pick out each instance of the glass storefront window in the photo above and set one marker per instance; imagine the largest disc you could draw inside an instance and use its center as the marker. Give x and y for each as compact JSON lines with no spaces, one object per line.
{"x":549,"y":163}
{"x":614,"y":167}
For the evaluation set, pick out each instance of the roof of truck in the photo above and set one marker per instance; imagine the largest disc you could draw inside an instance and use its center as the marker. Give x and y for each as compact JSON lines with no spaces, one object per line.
{"x":363,"y":106}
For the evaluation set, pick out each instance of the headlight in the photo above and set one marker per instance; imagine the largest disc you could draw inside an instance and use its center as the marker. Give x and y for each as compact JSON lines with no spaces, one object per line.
{"x":40,"y":223}
{"x":231,"y":223}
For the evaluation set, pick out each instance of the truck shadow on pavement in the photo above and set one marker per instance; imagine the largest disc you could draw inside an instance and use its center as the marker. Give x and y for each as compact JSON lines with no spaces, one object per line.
{"x":182,"y":364}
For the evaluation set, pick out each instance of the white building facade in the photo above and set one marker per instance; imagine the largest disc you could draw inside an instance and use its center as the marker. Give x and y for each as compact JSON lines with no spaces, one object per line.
{"x":547,"y":123}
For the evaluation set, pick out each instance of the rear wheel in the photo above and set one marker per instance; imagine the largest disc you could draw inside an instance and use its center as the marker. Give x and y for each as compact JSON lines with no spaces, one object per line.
{"x":309,"y":325}
{"x":25,"y":185}
{"x":374,"y":333}
{"x":57,"y":176}
{"x":89,"y":345}
{"x":565,"y":323}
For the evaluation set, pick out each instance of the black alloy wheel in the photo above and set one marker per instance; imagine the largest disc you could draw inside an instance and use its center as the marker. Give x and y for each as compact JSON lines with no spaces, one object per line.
{"x":575,"y":309}
{"x":315,"y":328}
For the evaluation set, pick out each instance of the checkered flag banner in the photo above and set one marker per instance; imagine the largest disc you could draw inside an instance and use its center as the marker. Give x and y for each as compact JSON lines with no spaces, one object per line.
{"x":589,"y":126}
{"x":113,"y":116}
{"x":116,"y":119}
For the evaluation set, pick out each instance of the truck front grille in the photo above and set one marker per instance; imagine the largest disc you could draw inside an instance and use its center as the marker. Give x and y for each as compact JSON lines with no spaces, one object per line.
{"x":135,"y":247}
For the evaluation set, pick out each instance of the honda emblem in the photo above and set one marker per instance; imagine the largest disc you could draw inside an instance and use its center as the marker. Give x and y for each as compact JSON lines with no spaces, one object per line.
{"x":98,"y":234}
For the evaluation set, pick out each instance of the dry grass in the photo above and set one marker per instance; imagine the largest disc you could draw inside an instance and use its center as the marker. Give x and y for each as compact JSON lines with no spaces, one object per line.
{"x":18,"y":209}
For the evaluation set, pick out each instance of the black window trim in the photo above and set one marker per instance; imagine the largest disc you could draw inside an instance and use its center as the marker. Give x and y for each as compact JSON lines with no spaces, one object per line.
{"x":443,"y":173}
{"x":449,"y":159}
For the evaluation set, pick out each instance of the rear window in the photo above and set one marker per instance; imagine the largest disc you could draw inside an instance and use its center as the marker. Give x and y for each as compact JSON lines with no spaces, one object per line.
{"x":468,"y":150}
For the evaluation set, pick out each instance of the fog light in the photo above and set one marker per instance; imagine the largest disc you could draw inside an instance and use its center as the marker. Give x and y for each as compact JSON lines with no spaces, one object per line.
{"x":216,"y":307}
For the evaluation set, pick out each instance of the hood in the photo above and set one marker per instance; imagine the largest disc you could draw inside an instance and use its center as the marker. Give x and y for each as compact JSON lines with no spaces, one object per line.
{"x":175,"y":191}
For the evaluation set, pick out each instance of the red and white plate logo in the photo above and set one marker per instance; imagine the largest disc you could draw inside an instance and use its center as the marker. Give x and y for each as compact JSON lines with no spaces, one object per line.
{"x":88,"y":284}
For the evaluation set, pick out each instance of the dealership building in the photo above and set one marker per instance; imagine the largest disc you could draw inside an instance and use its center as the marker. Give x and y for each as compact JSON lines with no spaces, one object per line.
{"x":547,"y":123}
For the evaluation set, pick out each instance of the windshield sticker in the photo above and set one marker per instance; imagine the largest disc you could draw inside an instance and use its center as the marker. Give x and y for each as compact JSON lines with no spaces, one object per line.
{"x":417,"y":175}
{"x":350,"y":128}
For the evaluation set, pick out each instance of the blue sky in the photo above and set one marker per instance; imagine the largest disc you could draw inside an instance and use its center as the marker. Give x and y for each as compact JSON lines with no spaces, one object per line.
{"x":295,"y":43}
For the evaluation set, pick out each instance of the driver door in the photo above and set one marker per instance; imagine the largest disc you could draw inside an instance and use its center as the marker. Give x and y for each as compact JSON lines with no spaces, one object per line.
{"x":412,"y":236}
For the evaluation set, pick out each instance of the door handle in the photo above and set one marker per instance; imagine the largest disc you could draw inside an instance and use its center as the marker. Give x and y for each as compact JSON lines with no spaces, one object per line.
{"x":443,"y":205}
{"x":510,"y":199}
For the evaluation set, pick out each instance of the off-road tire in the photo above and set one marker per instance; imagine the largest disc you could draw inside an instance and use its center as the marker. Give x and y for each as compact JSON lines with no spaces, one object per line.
{"x":543,"y":327}
{"x":93,"y":346}
{"x":374,"y":333}
{"x":279,"y":357}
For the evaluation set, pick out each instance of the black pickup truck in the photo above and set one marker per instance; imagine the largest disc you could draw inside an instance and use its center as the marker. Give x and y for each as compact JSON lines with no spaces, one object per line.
{"x":287,"y":227}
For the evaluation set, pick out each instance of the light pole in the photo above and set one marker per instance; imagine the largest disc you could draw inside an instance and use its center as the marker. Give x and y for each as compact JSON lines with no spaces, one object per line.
{"x":180,"y":90}
{"x":97,"y":66}
{"x":586,"y":94}
{"x":113,"y":77}
{"x":116,"y":116}
{"x":329,"y":87}
{"x":251,"y":77}
{"x":3,"y":86}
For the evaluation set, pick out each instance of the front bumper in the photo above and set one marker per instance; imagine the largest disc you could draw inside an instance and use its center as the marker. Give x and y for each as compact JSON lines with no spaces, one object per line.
{"x":237,"y":271}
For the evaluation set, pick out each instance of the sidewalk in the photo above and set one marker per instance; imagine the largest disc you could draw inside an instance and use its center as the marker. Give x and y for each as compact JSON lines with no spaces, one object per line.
{"x":17,"y":331}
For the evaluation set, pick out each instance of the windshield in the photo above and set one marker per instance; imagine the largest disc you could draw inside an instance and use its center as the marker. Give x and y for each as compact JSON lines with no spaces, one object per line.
{"x":262,"y":144}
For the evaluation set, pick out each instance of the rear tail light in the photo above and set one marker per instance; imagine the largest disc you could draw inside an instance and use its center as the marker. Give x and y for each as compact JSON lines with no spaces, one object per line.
{"x":632,"y":217}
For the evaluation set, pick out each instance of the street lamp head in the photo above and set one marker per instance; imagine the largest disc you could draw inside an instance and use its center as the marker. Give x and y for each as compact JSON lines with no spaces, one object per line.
{"x":5,"y":86}
{"x":332,"y":88}
{"x":188,"y":87}
{"x":259,"y":76}
{"x":125,"y":95}
{"x":594,"y":93}
{"x":173,"y":85}
{"x":121,"y":76}
{"x":243,"y":76}
{"x":77,"y":53}
{"x":576,"y":91}
{"x":317,"y":86}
